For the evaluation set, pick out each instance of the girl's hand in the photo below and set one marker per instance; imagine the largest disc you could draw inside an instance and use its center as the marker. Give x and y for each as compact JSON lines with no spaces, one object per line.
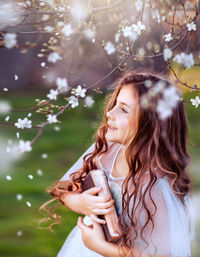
{"x":92,"y":235}
{"x":92,"y":205}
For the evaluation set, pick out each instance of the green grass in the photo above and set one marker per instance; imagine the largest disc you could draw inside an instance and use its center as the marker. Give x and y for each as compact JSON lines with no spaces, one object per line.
{"x":63,"y":149}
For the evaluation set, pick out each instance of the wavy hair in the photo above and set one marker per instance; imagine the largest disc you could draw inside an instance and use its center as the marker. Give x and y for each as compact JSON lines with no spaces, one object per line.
{"x":155,"y":139}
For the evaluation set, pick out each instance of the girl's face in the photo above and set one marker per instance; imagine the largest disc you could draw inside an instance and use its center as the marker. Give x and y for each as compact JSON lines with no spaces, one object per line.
{"x":123,"y":117}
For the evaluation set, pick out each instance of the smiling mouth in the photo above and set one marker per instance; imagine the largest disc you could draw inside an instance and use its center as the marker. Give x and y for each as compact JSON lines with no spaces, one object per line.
{"x":111,"y":127}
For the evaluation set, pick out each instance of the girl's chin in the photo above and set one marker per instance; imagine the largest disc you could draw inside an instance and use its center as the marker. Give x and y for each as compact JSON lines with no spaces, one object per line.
{"x":111,"y":138}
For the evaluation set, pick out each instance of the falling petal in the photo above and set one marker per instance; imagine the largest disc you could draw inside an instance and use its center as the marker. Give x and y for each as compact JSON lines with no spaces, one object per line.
{"x":30,"y":176}
{"x":7,"y":118}
{"x":44,"y":155}
{"x":8,"y":177}
{"x":19,"y":233}
{"x":19,"y":197}
{"x":39,"y":172}
{"x":28,"y":204}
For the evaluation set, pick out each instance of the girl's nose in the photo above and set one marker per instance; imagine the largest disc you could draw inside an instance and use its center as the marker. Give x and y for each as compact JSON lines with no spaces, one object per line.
{"x":110,"y":114}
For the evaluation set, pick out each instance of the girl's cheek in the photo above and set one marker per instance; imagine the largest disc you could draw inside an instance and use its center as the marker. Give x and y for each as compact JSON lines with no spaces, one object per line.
{"x":124,"y":123}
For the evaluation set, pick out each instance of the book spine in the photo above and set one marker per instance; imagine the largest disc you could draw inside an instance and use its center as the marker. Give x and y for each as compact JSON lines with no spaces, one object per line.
{"x":111,"y":227}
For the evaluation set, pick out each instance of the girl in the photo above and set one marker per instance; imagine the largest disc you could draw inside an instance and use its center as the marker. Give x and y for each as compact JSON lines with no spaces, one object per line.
{"x":144,"y":155}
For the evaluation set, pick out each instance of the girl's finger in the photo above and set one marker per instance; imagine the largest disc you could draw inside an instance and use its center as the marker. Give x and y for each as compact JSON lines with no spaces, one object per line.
{"x":103,"y":211}
{"x":93,"y":190}
{"x":105,"y":205}
{"x":96,"y":219}
{"x":80,"y":223}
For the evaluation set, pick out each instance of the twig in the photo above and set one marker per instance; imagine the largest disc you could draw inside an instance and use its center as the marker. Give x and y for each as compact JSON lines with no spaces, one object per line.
{"x":183,"y":83}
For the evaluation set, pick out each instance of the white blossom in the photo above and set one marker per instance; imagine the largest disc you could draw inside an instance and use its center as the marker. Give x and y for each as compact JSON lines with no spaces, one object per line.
{"x":49,"y":29}
{"x":67,"y":30}
{"x":139,"y":27}
{"x":10,"y":40}
{"x":53,"y":94}
{"x":110,"y":48}
{"x":189,"y":60}
{"x":180,"y":58}
{"x":79,"y":91}
{"x":62,"y":85}
{"x":60,"y":23}
{"x":168,"y":37}
{"x":23,"y":123}
{"x":163,"y":109}
{"x":169,"y":101}
{"x":53,"y":57}
{"x":45,"y":17}
{"x":42,"y":3}
{"x":5,"y":89}
{"x":89,"y":101}
{"x":24,"y":146}
{"x":171,"y":96}
{"x":127,"y":31}
{"x":156,"y":15}
{"x":159,"y":86}
{"x":89,"y":33}
{"x":191,"y":26}
{"x":138,"y":5}
{"x":186,"y":60}
{"x":52,"y":118}
{"x":195,"y":101}
{"x":167,"y":54}
{"x":16,"y":77}
{"x":79,"y":11}
{"x":73,"y":101}
{"x":4,"y":107}
{"x":17,"y":135}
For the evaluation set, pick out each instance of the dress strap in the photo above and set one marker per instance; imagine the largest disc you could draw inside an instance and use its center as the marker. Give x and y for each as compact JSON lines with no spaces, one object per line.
{"x":110,"y":175}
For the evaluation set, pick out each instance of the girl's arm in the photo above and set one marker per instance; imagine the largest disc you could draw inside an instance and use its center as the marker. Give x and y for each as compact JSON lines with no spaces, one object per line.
{"x":94,"y":239}
{"x":88,"y":203}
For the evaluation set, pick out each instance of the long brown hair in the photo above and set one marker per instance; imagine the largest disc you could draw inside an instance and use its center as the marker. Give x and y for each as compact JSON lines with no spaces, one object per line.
{"x":158,"y":143}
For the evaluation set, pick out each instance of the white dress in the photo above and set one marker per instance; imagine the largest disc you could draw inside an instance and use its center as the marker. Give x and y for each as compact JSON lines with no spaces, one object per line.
{"x":173,"y":224}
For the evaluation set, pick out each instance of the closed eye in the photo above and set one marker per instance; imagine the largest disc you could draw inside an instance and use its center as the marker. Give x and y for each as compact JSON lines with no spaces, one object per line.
{"x":123,"y":110}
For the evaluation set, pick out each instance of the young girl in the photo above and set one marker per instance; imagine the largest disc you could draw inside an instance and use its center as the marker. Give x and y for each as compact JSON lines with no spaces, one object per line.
{"x":144,"y":156}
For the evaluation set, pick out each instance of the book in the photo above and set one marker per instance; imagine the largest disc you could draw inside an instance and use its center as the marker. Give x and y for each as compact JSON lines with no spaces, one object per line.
{"x":97,"y":178}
